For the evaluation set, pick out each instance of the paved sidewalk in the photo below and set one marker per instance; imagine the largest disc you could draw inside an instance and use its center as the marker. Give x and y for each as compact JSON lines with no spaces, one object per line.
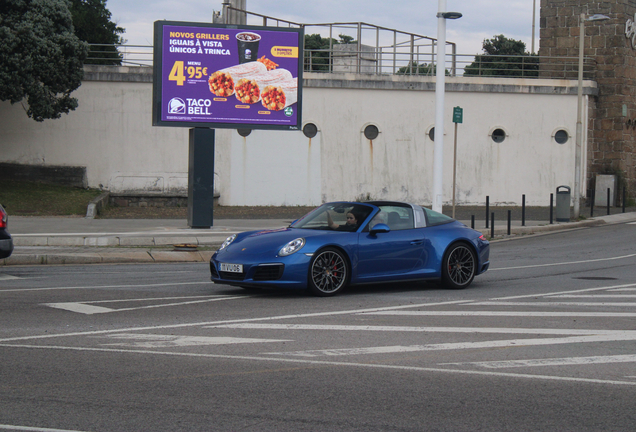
{"x":77,"y":240}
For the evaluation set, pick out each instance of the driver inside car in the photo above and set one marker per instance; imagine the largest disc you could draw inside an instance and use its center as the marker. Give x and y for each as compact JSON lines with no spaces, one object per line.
{"x":350,"y":225}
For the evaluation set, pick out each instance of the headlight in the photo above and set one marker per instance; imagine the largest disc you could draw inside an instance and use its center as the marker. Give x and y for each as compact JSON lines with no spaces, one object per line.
{"x":227,"y":242}
{"x":291,"y":247}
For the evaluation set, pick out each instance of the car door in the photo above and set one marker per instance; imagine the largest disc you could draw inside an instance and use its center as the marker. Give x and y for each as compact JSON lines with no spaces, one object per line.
{"x":396,"y":254}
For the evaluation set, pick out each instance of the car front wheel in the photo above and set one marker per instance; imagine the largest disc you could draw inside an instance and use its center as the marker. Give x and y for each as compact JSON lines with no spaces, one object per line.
{"x":328,"y":272}
{"x":458,"y":267}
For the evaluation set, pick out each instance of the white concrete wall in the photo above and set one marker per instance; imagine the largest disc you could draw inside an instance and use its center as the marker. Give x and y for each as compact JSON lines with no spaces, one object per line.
{"x":398,"y":164}
{"x":272,"y":168}
{"x":111,"y":133}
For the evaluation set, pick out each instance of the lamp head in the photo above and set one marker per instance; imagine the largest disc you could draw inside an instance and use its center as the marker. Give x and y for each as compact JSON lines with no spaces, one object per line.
{"x":449,"y":15}
{"x":597,"y":17}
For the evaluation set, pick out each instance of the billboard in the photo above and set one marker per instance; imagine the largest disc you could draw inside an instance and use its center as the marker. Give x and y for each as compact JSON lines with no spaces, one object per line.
{"x":227,"y":76}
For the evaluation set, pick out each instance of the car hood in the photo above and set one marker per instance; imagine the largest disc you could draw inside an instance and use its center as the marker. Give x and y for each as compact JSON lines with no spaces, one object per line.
{"x":271,"y":241}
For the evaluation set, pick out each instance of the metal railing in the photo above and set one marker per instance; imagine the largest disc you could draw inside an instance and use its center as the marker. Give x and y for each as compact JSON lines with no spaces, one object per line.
{"x":124,"y":55}
{"x":391,"y":60}
{"x":369,"y":49}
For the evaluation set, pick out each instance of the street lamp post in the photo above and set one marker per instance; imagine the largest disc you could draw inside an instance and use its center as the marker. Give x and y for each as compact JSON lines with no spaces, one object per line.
{"x":534,"y":15}
{"x":579,"y":114}
{"x":440,"y":82}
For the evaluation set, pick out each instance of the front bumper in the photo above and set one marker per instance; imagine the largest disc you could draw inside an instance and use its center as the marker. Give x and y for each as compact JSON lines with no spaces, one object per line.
{"x":287,"y":272}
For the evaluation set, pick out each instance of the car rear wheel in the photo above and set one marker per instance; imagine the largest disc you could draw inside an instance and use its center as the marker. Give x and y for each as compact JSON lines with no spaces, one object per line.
{"x":328,"y":272}
{"x":458,"y":267}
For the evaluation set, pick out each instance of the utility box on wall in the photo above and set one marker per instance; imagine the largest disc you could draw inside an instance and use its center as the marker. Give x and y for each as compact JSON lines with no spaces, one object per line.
{"x":604,"y":182}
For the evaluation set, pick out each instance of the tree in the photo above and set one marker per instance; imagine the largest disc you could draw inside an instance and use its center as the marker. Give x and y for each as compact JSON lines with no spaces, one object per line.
{"x":317,"y":52}
{"x":344,"y":39}
{"x":504,"y":57}
{"x":92,"y":23}
{"x":422,"y":69}
{"x":41,"y":59}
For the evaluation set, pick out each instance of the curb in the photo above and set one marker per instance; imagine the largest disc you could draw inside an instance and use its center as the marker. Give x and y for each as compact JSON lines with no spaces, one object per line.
{"x":96,"y":205}
{"x":528,"y":230}
{"x":65,"y":240}
{"x":129,"y":257}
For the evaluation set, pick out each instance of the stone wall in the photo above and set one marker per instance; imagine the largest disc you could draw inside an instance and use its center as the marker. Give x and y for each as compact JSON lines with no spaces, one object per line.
{"x":612,"y":114}
{"x":147,"y":201}
{"x":62,"y":175}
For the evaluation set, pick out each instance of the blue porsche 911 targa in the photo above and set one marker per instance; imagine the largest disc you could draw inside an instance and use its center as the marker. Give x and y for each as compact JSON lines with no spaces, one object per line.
{"x":350,"y":243}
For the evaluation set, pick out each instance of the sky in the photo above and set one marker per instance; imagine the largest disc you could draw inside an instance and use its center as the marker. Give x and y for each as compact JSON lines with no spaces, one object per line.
{"x":482,"y":19}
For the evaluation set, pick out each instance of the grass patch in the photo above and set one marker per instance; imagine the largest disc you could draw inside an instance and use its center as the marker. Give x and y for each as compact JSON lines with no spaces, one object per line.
{"x":21,"y":198}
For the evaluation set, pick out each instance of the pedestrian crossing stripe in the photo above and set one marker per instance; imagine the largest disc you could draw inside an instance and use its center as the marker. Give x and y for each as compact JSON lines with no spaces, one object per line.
{"x":147,"y":341}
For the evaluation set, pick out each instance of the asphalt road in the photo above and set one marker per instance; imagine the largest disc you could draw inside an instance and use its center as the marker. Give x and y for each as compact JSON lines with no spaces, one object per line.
{"x":544,"y":341}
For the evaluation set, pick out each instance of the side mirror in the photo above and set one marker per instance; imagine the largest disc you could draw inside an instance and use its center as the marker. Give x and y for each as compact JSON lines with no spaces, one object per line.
{"x":379,"y":228}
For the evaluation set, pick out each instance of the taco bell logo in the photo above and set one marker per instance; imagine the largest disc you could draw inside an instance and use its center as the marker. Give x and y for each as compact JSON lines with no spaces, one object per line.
{"x":176,"y":106}
{"x":248,"y":53}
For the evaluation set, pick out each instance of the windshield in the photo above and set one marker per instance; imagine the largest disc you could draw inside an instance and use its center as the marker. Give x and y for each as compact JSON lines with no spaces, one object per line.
{"x":341,"y":216}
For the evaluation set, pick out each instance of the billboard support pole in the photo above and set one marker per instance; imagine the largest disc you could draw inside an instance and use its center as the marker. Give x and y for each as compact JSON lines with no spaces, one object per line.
{"x":201,"y":178}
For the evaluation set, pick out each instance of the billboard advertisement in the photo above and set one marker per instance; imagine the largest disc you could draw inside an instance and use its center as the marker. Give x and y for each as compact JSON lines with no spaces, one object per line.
{"x":227,"y":76}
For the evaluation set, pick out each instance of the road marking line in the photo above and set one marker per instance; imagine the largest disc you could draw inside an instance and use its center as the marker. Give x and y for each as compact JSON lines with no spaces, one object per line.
{"x":79,"y":308}
{"x":335,"y":363}
{"x":503,"y":313}
{"x":155,"y":298}
{"x":88,"y":309}
{"x":170,"y":341}
{"x":610,"y":296}
{"x":563,"y":263}
{"x":34,"y":429}
{"x":565,"y":292}
{"x":566,"y":361}
{"x":158,"y":234}
{"x":209,"y":323}
{"x":104,"y":287}
{"x":550,"y":303}
{"x":495,"y":330}
{"x":616,"y":336}
{"x":5,"y":277}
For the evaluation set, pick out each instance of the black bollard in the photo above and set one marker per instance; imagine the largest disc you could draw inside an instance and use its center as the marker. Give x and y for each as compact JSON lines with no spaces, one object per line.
{"x":472,"y":221}
{"x":487,"y":212}
{"x":624,"y":198}
{"x":523,"y":210}
{"x":492,"y":225}
{"x":551,"y":205}
{"x":608,"y":201}
{"x":509,"y":220}
{"x":592,"y":203}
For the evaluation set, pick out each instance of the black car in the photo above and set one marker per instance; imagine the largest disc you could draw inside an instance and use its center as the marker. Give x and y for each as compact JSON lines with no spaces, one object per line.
{"x":6,"y":242}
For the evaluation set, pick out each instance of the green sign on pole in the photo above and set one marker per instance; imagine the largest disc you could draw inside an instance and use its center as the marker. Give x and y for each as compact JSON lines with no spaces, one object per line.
{"x":458,"y":114}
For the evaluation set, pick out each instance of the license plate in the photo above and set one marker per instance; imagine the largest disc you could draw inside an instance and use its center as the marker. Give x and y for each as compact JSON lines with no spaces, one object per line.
{"x":232,"y":268}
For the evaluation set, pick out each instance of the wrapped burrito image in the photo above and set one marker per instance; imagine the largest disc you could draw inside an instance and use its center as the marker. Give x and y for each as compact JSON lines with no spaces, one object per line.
{"x":248,"y":90}
{"x":280,"y":95}
{"x":222,"y":82}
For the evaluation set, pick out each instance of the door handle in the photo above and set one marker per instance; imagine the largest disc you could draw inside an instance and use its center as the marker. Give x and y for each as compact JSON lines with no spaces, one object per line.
{"x":417,"y":242}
